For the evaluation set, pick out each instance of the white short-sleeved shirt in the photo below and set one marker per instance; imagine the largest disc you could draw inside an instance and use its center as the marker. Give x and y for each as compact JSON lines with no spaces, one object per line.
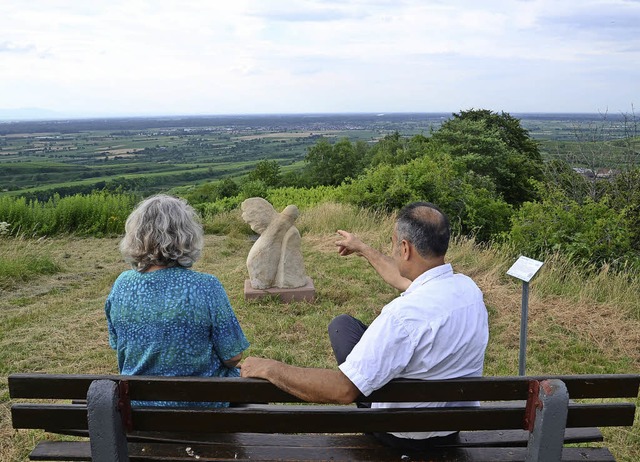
{"x":437,"y":329}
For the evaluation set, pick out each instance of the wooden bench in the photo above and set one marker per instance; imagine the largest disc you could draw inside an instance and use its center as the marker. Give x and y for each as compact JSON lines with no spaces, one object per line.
{"x":521,"y":418}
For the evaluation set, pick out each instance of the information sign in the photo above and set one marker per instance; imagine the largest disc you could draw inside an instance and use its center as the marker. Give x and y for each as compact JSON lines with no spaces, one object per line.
{"x":524,"y":268}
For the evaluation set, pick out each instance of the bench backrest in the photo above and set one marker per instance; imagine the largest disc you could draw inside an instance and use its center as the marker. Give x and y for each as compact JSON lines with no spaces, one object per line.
{"x":508,"y":410}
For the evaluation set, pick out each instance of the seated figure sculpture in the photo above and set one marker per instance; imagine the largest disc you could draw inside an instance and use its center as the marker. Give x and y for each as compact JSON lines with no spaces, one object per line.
{"x":275,"y":259}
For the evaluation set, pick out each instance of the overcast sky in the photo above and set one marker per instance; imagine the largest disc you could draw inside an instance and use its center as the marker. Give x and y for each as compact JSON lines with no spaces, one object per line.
{"x":162,"y":57}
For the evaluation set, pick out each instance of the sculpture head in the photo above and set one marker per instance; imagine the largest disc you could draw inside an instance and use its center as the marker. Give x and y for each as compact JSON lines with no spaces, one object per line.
{"x":291,"y":211}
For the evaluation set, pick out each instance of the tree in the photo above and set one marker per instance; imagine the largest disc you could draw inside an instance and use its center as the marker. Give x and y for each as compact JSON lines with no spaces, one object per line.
{"x":228,"y":188}
{"x":213,"y":191}
{"x":330,"y":165}
{"x":267,"y":171}
{"x":494,"y":145}
{"x":395,"y":150}
{"x":509,"y":128}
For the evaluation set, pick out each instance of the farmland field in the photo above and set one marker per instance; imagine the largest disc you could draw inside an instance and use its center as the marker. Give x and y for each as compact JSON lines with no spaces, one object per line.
{"x":39,"y":158}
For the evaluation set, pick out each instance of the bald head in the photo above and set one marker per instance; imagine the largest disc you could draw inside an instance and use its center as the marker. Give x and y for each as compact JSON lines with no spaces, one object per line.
{"x":426,"y":227}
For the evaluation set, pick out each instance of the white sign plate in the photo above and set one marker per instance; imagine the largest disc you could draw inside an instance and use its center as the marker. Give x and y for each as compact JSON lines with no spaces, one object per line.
{"x":525,"y":268}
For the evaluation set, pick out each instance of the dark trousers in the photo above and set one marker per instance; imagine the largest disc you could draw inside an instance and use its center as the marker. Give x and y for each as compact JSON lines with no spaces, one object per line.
{"x":344,"y":332}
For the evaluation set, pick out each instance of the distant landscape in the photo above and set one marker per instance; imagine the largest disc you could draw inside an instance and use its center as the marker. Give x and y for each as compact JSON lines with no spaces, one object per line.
{"x":38,"y":158}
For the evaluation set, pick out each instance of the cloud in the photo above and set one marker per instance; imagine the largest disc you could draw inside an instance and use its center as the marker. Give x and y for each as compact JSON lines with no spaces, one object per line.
{"x":10,"y":47}
{"x":313,"y":55}
{"x":612,"y":21}
{"x":309,"y":13}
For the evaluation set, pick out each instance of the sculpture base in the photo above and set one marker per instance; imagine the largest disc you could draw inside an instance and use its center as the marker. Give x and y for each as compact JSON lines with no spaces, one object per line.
{"x":305,"y":293}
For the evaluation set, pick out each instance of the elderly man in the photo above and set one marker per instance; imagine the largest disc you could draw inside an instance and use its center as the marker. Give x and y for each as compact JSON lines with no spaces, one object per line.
{"x":436,"y":329}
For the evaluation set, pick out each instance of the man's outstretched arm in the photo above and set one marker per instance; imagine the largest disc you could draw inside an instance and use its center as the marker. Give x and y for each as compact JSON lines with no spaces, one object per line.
{"x":383,"y":264}
{"x":308,"y":384}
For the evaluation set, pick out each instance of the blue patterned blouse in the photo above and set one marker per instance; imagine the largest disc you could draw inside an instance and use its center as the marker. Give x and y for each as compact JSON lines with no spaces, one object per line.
{"x":173,"y":322}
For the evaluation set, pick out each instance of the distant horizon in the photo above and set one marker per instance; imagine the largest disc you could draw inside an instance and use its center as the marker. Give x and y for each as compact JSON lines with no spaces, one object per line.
{"x":43,"y":115}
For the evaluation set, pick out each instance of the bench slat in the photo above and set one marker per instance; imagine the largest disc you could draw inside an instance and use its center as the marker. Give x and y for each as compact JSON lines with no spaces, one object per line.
{"x":80,"y":451}
{"x":52,"y":386}
{"x":479,"y":438}
{"x":341,"y":419}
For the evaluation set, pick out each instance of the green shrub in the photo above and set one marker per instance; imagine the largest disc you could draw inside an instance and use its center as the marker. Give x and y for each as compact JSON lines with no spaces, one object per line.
{"x":96,"y":214}
{"x":590,"y":233}
{"x":468,"y":199}
{"x":303,"y":198}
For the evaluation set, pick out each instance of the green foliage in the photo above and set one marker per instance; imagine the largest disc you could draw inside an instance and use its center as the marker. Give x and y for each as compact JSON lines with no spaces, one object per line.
{"x":97,"y":214}
{"x":210,"y":209}
{"x":267,"y":171}
{"x":303,"y":198}
{"x":477,"y":167}
{"x":395,"y":150}
{"x":214,"y":213}
{"x":469,"y":200}
{"x":330,"y":164}
{"x":559,"y":174}
{"x":495,"y":146}
{"x":591,"y":233}
{"x":509,"y":128}
{"x":254,"y":188}
{"x":212,"y":191}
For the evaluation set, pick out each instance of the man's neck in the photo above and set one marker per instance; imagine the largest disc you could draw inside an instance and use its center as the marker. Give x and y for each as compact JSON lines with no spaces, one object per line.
{"x":423,"y":265}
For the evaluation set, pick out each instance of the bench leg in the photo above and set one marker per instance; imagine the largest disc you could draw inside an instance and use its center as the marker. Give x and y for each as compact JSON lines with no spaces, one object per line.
{"x":107,"y":437}
{"x":547,"y":437}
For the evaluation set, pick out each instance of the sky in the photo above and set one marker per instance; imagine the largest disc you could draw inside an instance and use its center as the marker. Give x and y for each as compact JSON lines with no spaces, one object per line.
{"x":196,"y":57}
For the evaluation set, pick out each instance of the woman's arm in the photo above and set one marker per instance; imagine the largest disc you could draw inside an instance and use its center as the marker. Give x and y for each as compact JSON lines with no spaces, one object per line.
{"x":232,"y":362}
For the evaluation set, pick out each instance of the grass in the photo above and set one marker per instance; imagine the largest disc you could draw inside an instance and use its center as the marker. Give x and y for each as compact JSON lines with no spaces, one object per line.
{"x":577,"y":324}
{"x":24,"y":260}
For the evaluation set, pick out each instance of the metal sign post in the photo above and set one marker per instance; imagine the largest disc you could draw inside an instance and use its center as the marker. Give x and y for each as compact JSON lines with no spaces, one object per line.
{"x":524,"y":269}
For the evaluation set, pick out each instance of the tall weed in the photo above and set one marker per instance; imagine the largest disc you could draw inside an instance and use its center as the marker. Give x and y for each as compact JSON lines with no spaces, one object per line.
{"x":97,"y":214}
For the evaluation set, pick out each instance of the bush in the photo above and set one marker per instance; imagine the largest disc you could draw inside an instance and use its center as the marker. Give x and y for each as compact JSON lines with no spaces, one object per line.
{"x":591,"y":233}
{"x":469,"y":200}
{"x":96,"y":214}
{"x":303,"y":198}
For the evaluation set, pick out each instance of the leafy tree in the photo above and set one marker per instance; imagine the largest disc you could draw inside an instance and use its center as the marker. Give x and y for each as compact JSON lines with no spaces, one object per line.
{"x":228,"y":188}
{"x":511,"y":132}
{"x":494,"y":145}
{"x":255,"y":188}
{"x":395,"y":150}
{"x":213,"y":191}
{"x":267,"y":171}
{"x":330,"y":165}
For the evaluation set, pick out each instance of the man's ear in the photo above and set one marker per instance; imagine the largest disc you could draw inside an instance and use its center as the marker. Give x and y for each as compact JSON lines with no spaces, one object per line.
{"x":405,"y":250}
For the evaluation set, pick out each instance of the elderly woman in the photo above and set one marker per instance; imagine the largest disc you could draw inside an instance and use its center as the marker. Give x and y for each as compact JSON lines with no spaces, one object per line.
{"x":163,"y":317}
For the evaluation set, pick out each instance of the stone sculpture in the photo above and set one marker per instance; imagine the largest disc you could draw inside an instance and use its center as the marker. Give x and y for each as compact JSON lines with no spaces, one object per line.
{"x":275,"y":259}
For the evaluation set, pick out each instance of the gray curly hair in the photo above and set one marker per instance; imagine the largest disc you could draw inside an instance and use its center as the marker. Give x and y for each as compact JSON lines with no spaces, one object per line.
{"x":162,"y":230}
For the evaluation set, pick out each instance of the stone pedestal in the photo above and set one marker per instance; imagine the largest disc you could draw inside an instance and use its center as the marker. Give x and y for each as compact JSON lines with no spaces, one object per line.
{"x":305,"y":293}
